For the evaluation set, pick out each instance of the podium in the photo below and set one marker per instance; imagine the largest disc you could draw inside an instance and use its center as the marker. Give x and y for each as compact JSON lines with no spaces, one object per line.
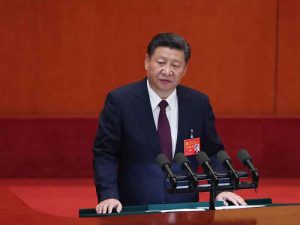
{"x":269,"y":213}
{"x":174,"y":207}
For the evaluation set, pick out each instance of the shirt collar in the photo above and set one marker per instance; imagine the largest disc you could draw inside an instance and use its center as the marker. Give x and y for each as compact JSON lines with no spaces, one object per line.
{"x":155,"y":99}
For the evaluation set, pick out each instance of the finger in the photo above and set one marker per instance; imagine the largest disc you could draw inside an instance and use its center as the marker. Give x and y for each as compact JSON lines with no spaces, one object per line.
{"x":238,"y":199}
{"x":97,"y":208}
{"x":104,"y":208}
{"x":110,"y":208}
{"x":234,"y":201}
{"x":100,"y":208}
{"x":241,"y":201}
{"x":119,"y":208}
{"x":222,"y":199}
{"x":225,"y":203}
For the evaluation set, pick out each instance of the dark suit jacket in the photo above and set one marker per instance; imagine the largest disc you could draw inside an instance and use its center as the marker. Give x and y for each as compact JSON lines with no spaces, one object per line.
{"x":127,"y":144}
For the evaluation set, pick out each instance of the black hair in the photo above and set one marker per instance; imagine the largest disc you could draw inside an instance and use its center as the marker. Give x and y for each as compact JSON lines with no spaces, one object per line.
{"x":170,"y":40}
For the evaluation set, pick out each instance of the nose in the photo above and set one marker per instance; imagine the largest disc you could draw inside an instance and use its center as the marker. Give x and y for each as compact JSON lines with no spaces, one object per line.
{"x":167,"y":70}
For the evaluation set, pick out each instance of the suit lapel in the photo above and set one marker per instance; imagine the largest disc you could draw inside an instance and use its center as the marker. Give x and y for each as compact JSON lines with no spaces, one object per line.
{"x":141,"y":103}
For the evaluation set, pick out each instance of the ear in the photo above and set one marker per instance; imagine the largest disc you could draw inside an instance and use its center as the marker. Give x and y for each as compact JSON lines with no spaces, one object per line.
{"x":147,"y":59}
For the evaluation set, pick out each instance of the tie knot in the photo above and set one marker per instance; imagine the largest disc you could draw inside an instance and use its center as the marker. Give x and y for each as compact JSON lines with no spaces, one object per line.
{"x":163,"y":104}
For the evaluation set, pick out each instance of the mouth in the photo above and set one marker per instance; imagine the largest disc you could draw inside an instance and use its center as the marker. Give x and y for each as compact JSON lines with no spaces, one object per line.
{"x":165,"y":81}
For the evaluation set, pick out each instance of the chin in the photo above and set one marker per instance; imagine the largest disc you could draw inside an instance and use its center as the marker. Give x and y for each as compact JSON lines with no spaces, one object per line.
{"x":165,"y":88}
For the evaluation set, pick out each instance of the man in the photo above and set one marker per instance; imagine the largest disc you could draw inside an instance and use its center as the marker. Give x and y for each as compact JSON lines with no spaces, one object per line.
{"x":129,"y":135}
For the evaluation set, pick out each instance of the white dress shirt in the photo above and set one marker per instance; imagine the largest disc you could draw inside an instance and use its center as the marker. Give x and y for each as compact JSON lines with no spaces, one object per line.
{"x":171,"y":111}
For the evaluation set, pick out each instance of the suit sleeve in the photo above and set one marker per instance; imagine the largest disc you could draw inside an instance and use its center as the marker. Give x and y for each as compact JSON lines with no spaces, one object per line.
{"x":107,"y":149}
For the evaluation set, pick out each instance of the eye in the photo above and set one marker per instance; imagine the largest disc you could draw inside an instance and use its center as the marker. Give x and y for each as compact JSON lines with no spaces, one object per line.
{"x":160,"y":62}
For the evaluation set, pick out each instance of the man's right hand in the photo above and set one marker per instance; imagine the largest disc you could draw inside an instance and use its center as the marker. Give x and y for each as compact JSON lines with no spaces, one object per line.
{"x":108,"y":205}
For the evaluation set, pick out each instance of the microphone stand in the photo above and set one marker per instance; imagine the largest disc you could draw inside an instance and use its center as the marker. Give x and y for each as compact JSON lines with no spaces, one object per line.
{"x":212,"y":192}
{"x":210,"y":175}
{"x":214,"y":185}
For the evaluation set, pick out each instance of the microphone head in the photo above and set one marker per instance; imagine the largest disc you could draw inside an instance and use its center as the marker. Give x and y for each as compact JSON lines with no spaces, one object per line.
{"x":162,"y":159}
{"x":180,"y":158}
{"x":223,"y":156}
{"x":243,"y":155}
{"x":202,"y":157}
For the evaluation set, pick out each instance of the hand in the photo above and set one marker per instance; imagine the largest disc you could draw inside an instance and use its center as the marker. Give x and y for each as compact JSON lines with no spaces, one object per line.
{"x":108,"y":205}
{"x":231,"y":197}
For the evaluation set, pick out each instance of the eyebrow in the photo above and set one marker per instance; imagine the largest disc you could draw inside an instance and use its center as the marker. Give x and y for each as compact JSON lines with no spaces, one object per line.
{"x":163,"y":57}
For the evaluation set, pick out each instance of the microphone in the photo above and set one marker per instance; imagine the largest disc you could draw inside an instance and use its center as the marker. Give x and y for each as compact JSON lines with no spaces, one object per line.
{"x":205,"y":163}
{"x":246,"y":159}
{"x":185,"y":164}
{"x":165,"y":164}
{"x":226,"y":161}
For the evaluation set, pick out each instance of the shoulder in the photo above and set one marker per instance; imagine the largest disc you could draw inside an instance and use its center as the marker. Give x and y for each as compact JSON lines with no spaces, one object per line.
{"x":128,"y":89}
{"x":187,"y":92}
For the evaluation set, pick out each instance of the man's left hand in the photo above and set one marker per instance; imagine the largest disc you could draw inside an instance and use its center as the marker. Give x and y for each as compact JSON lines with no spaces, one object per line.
{"x":227,"y":196}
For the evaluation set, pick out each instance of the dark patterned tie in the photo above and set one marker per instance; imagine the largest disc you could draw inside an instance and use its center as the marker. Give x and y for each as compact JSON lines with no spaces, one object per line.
{"x":164,"y":132}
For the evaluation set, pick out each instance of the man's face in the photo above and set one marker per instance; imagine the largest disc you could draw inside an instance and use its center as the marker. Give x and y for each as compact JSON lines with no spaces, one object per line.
{"x":165,"y":69}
